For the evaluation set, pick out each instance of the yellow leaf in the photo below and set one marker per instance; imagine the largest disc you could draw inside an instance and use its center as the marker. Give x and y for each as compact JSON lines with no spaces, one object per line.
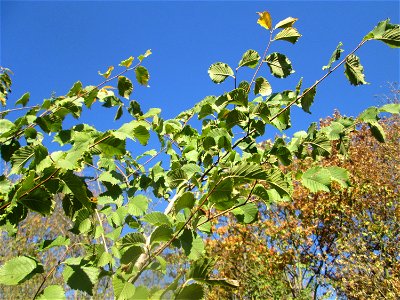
{"x":107,"y":73}
{"x":265,"y":20}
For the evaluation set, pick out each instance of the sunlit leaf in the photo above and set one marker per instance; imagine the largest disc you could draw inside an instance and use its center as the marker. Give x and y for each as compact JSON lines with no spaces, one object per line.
{"x":107,"y":73}
{"x":219,"y":71}
{"x":142,"y":75}
{"x":250,"y":59}
{"x":127,"y":62}
{"x":262,"y":87}
{"x":146,"y":54}
{"x":308,"y":99}
{"x":265,"y":20}
{"x":288,"y":22}
{"x":317,"y":179}
{"x":52,"y":292}
{"x":289,"y":34}
{"x":387,"y":33}
{"x":23,"y":100}
{"x":354,"y":70}
{"x":18,"y":269}
{"x":335,"y":56}
{"x":279,"y":65}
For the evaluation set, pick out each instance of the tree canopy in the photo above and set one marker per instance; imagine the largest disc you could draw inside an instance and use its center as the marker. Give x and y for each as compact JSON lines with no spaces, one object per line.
{"x":200,"y":172}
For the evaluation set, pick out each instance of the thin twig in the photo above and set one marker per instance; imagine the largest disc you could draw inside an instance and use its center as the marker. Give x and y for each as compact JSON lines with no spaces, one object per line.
{"x":16,"y":109}
{"x":317,"y":82}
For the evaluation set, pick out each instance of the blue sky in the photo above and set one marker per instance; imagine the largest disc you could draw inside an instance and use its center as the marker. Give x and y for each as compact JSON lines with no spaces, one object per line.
{"x":49,"y":45}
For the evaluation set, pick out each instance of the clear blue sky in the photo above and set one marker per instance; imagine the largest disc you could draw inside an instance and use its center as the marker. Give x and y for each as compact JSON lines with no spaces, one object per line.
{"x":50,"y":45}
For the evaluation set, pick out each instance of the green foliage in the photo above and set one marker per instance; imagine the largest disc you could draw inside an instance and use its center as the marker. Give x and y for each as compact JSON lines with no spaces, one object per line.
{"x":202,"y":171}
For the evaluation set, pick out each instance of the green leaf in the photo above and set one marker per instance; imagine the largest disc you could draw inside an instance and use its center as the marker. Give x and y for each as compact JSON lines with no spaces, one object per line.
{"x":238,"y":97}
{"x":131,"y":254}
{"x":247,"y":213}
{"x":123,"y":290}
{"x":162,"y":233}
{"x":279,"y":65}
{"x":192,"y":291}
{"x":249,"y":59}
{"x":52,"y":292}
{"x":219,"y":71}
{"x":262,"y":87}
{"x":132,"y":239}
{"x":187,"y":200}
{"x":77,"y":187}
{"x":354,"y":70}
{"x":308,"y":99}
{"x":335,"y":56}
{"x":137,"y":205}
{"x":20,"y":158}
{"x":289,"y":34}
{"x":393,"y":108}
{"x":339,"y":175}
{"x":192,"y":244}
{"x":125,"y":86}
{"x":142,"y":75}
{"x":127,"y":62}
{"x":201,"y":268}
{"x":265,"y":20}
{"x":279,"y":182}
{"x":288,"y":22}
{"x":247,"y":170}
{"x":317,"y":179}
{"x":157,"y":218}
{"x":81,"y":277}
{"x":38,"y":200}
{"x":19,"y":269}
{"x":385,"y":32}
{"x":377,"y":131}
{"x":23,"y":100}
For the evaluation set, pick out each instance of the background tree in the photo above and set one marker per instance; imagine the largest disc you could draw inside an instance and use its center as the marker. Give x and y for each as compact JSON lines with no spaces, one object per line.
{"x":347,"y":241}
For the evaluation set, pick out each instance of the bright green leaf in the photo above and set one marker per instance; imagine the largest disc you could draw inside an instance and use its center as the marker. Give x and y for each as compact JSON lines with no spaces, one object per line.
{"x":279,"y":65}
{"x":354,"y":70}
{"x":289,"y":34}
{"x":250,"y":59}
{"x":219,"y":71}
{"x":335,"y":56}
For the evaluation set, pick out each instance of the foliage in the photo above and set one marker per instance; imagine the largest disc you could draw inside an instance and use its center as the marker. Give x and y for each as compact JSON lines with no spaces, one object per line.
{"x":199,"y":170}
{"x":344,"y":241}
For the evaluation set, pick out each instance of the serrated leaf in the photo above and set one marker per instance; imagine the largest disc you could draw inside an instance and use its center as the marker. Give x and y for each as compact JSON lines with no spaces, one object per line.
{"x":219,"y":71}
{"x":247,"y":213}
{"x":393,"y":108}
{"x":127,"y":62}
{"x":317,"y":179}
{"x":162,"y":233}
{"x":279,"y":182}
{"x":23,"y":100}
{"x":157,"y":218}
{"x":107,"y":73}
{"x":142,"y":75}
{"x":339,"y":175}
{"x":279,"y":65}
{"x":308,"y":99}
{"x":354,"y":70}
{"x":132,"y":239}
{"x":288,"y":22}
{"x":192,"y":244}
{"x":187,"y":200}
{"x":265,"y":20}
{"x":20,"y":158}
{"x":377,"y":131}
{"x":59,"y":241}
{"x":77,"y":187}
{"x":249,"y":59}
{"x":81,"y":277}
{"x":137,"y":205}
{"x":289,"y":34}
{"x":262,"y":87}
{"x":18,"y":269}
{"x":387,"y":33}
{"x":335,"y":56}
{"x":123,"y":290}
{"x":192,"y":291}
{"x":125,"y":86}
{"x":52,"y":292}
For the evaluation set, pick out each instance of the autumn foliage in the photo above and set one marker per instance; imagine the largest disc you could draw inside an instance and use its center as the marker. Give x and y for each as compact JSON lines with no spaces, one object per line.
{"x":346,"y":242}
